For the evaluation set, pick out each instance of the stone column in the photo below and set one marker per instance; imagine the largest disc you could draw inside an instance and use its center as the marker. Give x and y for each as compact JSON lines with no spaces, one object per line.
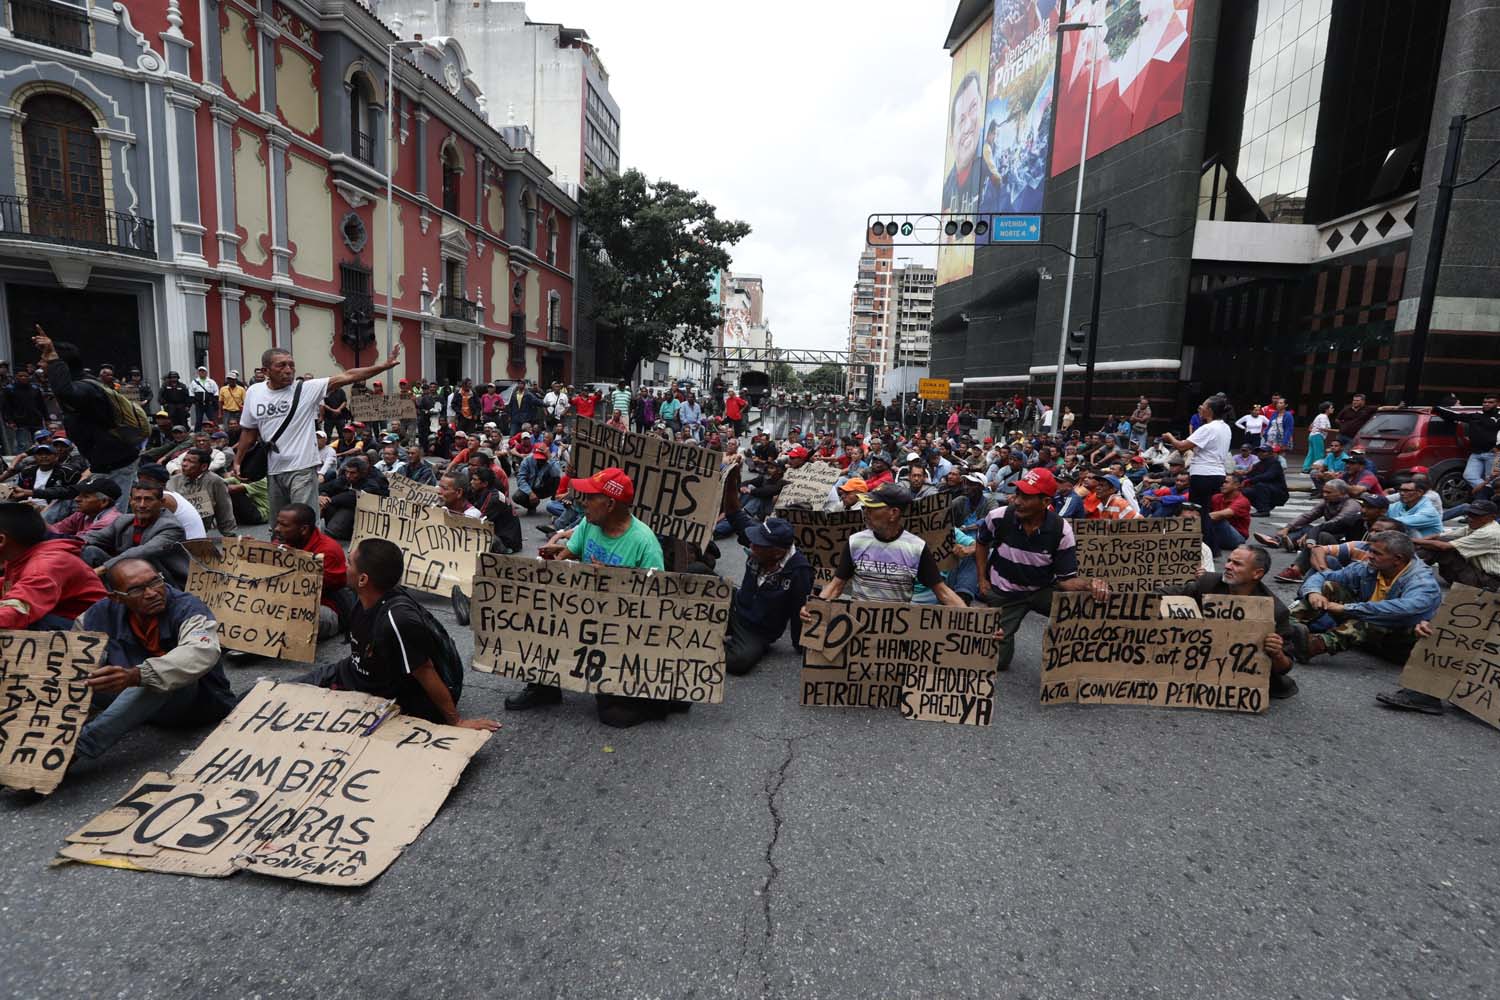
{"x":229,"y":305}
{"x":281,"y":254}
{"x":224,"y":118}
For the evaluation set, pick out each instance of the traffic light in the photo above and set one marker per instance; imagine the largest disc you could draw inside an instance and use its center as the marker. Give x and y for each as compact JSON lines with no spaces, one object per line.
{"x":1078,"y":345}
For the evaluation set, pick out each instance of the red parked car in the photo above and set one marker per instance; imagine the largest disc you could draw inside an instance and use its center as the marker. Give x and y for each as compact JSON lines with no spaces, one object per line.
{"x":1397,"y":439}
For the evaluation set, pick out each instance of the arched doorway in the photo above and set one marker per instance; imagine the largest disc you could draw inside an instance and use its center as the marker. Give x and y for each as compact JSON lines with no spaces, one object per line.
{"x":64,"y":178}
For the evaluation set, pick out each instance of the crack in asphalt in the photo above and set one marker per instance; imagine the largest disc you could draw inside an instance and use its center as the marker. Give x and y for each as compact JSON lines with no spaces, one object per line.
{"x":774,"y":781}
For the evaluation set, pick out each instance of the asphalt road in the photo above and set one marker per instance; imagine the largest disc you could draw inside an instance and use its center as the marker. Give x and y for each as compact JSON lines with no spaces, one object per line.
{"x":760,"y":849}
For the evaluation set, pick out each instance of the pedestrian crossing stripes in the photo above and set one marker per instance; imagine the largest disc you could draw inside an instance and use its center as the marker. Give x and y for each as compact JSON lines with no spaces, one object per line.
{"x":1288,"y":512}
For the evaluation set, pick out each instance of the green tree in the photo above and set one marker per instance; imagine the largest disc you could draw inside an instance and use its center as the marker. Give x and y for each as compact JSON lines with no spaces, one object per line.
{"x":784,"y":376}
{"x":654,"y":251}
{"x":824,"y":378}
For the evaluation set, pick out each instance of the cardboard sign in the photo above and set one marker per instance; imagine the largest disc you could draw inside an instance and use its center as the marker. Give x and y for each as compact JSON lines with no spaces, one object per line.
{"x":809,"y":485}
{"x":370,"y":407}
{"x":265,"y":596}
{"x":298,"y":782}
{"x":7,"y":491}
{"x":440,"y":547}
{"x":43,"y":703}
{"x":933,"y":388}
{"x":1460,"y":661}
{"x":1129,"y":650}
{"x":601,"y":629}
{"x":406,"y":488}
{"x":821,"y":535}
{"x":1141,"y":555}
{"x":678,"y":487}
{"x":930,"y":662}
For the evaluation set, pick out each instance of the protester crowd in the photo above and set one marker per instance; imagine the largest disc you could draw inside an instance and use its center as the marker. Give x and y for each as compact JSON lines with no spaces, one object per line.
{"x":113,"y":482}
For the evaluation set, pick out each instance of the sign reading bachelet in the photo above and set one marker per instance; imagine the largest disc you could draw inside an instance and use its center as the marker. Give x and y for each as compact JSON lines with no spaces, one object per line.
{"x":1460,"y":661}
{"x":1140,"y":555}
{"x":1141,"y":649}
{"x":678,"y":487}
{"x":44,"y":703}
{"x":265,"y":596}
{"x":601,"y":629}
{"x":930,"y":662}
{"x":298,"y":782}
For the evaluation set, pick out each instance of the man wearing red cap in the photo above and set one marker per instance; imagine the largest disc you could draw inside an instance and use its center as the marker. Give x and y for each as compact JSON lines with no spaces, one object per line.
{"x":537,"y":478}
{"x":1023,"y":552}
{"x":609,"y":535}
{"x":796,"y":456}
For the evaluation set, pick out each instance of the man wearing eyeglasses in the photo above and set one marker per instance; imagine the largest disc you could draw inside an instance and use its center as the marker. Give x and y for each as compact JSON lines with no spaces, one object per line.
{"x":162,"y":663}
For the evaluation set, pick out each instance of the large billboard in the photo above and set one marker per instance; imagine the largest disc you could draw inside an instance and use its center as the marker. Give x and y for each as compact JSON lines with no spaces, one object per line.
{"x":1142,"y":53}
{"x":1018,"y":114}
{"x":963,"y":173}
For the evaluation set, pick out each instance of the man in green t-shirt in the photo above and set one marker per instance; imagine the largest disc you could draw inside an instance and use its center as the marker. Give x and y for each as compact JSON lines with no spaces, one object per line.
{"x":608,"y":535}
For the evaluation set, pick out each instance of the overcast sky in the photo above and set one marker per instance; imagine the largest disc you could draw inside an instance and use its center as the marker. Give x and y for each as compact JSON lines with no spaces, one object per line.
{"x":800,"y":118}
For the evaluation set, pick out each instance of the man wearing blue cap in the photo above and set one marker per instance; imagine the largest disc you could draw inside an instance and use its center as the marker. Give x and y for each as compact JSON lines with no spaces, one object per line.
{"x":777,"y":581}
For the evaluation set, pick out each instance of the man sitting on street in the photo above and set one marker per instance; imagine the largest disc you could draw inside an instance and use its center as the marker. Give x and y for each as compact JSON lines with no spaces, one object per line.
{"x":417,"y":470}
{"x":778,"y":579}
{"x":205,"y":490}
{"x":339,"y":498}
{"x":95,"y":508}
{"x":149,"y":535}
{"x":45,"y":585}
{"x":1326,"y":556}
{"x":453,"y":490}
{"x":885,"y":562}
{"x":1112,"y":505}
{"x":1265,"y":484}
{"x":1468,"y":555}
{"x":1415,"y":509}
{"x":162,"y":664}
{"x":1339,"y":512}
{"x":1229,"y":516}
{"x":1373,"y":605}
{"x":537,"y":478}
{"x":47,"y":482}
{"x":296,"y":527}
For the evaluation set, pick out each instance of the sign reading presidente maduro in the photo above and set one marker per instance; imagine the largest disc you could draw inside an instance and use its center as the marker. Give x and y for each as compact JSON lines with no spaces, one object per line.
{"x":821,"y":534}
{"x":678,"y":487}
{"x":298,"y":782}
{"x":931,"y":662}
{"x":1460,"y":660}
{"x":1131,"y":650}
{"x":440,"y":546}
{"x":601,"y":629}
{"x":265,"y":596}
{"x":44,"y":703}
{"x":1140,"y":555}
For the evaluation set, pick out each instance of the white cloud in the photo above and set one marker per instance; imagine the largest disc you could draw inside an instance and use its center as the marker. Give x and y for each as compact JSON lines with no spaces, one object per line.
{"x":800,"y":118}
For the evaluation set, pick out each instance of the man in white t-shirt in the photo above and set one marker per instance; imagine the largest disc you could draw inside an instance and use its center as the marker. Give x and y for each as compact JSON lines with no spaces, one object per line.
{"x":292,"y":468}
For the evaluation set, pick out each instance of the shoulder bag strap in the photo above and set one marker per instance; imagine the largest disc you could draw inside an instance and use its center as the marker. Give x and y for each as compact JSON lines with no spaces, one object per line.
{"x":296,"y":398}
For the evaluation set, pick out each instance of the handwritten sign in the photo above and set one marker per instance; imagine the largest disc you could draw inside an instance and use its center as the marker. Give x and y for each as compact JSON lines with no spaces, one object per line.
{"x":298,"y":783}
{"x":821,"y":535}
{"x":441,"y":547}
{"x":406,"y":488}
{"x":808,"y":486}
{"x":1141,"y":555}
{"x":43,"y":703}
{"x":601,"y":629}
{"x":1460,"y":661}
{"x":1130,"y":650}
{"x":678,"y":487}
{"x":265,"y":596}
{"x":372,"y":407}
{"x":930,"y":662}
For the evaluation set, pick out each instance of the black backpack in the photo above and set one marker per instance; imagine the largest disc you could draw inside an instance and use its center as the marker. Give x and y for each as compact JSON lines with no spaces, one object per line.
{"x":446,"y":659}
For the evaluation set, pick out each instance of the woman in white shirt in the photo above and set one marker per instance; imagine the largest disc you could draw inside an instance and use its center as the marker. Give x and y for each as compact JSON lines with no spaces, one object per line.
{"x":1317,"y":434}
{"x":1253,"y":424}
{"x":1209,"y":448}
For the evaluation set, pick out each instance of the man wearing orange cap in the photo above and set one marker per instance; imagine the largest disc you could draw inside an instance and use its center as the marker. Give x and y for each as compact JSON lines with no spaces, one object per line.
{"x":845,"y":496}
{"x":609,"y":535}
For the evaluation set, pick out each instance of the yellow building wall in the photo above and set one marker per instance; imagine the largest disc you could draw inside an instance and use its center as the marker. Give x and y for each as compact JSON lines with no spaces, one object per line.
{"x":495,"y":210}
{"x":533,"y":302}
{"x":377,"y":243}
{"x":251,"y":199}
{"x":255,"y":335}
{"x":312,"y":340}
{"x":499,"y":289}
{"x":310,"y":218}
{"x":239,"y":54}
{"x":297,"y":90}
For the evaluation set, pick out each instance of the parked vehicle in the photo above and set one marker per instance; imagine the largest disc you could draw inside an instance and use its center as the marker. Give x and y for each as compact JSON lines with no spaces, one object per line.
{"x":1397,"y":439}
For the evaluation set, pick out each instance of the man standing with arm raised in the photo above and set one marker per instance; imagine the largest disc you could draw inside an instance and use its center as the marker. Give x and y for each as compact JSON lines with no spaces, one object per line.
{"x":292,"y":466}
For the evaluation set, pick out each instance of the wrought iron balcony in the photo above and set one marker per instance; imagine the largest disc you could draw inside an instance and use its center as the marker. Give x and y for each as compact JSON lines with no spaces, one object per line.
{"x":57,"y":221}
{"x":364,"y":148}
{"x":60,"y":25}
{"x":455,"y":307}
{"x":559,"y":334}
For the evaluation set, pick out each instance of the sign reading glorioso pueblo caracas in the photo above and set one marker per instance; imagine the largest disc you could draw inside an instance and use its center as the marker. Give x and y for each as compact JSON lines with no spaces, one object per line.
{"x":1460,"y":661}
{"x":1141,"y":649}
{"x":1140,"y":555}
{"x":44,"y":703}
{"x":265,"y":596}
{"x":821,"y":534}
{"x":930,"y":662}
{"x":678,"y":487}
{"x":440,"y":546}
{"x":298,"y":782}
{"x":601,"y":629}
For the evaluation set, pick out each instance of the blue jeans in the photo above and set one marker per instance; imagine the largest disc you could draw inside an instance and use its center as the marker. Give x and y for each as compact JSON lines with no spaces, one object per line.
{"x":564,"y":516}
{"x":1478,"y":467}
{"x":1454,"y":513}
{"x":123,"y":478}
{"x":136,"y":706}
{"x":1222,"y":536}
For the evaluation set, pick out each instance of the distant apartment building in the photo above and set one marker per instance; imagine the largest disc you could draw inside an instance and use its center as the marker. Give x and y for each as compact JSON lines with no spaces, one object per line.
{"x":870,"y":343}
{"x":909,"y":318}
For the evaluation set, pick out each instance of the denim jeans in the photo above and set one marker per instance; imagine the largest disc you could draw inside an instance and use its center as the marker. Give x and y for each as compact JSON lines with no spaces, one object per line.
{"x":1478,"y":467}
{"x":136,"y":706}
{"x":1222,"y":536}
{"x":124,"y":478}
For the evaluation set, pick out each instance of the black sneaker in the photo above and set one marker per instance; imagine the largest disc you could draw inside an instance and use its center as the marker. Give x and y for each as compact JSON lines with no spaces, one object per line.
{"x":460,"y":605}
{"x":1407,"y":700}
{"x":619,"y":712}
{"x":1297,"y":643}
{"x":533,"y":696}
{"x":1282,"y":686}
{"x":545,"y":529}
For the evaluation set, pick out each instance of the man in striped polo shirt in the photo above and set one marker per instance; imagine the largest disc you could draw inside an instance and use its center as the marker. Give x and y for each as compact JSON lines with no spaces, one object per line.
{"x":1024,"y":552}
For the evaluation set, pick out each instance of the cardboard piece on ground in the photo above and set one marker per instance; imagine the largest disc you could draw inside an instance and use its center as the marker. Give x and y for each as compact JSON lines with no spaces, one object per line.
{"x":441,"y":547}
{"x":293,"y":785}
{"x":7,"y":491}
{"x":1125,"y":651}
{"x":821,"y":535}
{"x":601,"y":629}
{"x":809,"y":485}
{"x":43,"y":703}
{"x":678,"y":487}
{"x":369,"y":407}
{"x":1460,"y":661}
{"x":1141,"y":555}
{"x":930,"y":662}
{"x":264,"y":596}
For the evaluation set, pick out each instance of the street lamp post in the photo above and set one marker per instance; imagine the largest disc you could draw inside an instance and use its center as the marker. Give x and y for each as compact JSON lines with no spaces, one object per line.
{"x":390,"y":196}
{"x":1083,"y":156}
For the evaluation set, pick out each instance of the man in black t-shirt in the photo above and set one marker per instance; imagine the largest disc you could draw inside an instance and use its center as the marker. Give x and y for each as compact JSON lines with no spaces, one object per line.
{"x":393,"y":644}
